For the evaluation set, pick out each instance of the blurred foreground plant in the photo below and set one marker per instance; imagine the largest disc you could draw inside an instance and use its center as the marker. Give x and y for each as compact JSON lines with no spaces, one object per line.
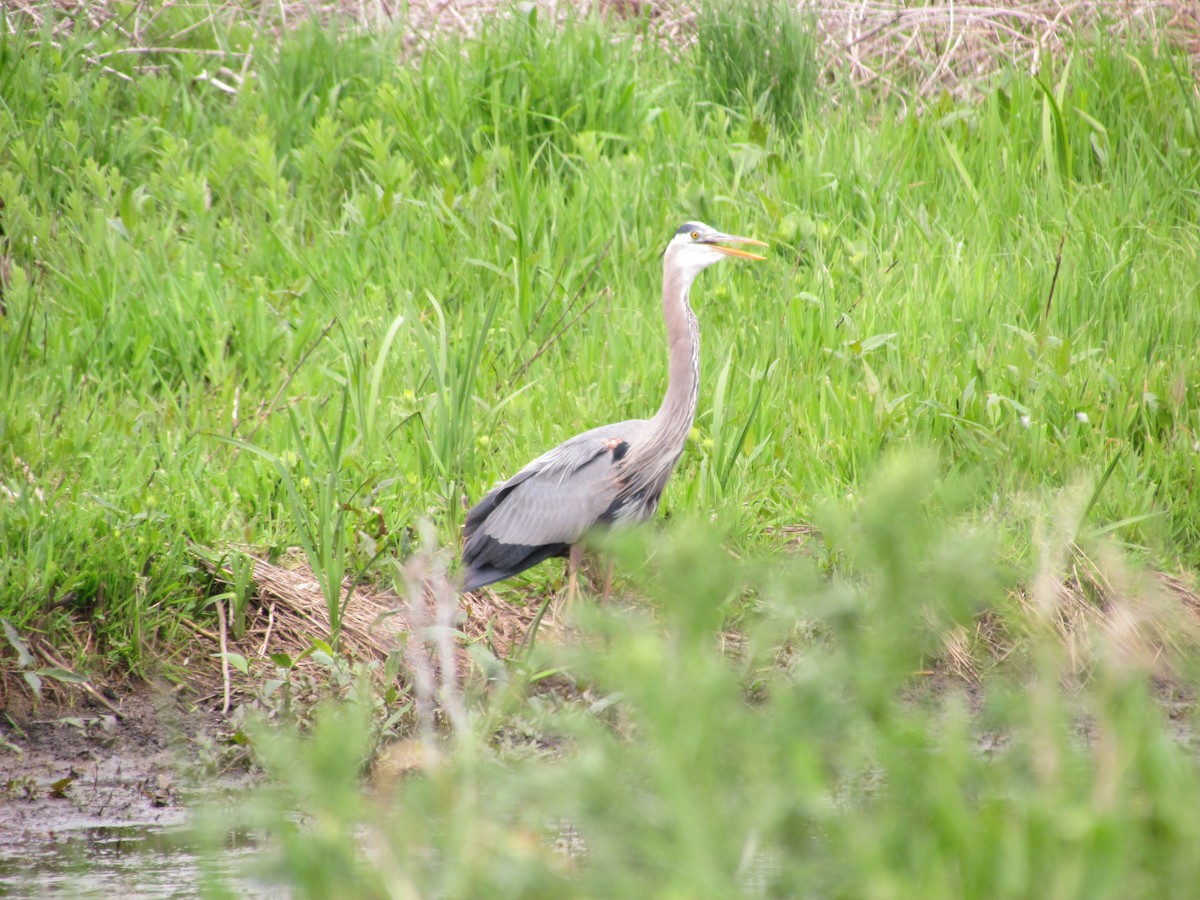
{"x":800,"y":755}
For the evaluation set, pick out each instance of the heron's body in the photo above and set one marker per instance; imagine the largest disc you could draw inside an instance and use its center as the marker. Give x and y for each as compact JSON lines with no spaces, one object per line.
{"x":610,"y":475}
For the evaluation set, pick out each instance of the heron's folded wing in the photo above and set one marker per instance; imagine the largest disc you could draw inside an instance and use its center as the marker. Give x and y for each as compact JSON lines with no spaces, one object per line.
{"x":558,"y":496}
{"x":557,"y":502}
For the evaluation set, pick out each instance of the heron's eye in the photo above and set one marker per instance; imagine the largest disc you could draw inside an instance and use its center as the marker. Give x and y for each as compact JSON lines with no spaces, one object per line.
{"x":695,"y":235}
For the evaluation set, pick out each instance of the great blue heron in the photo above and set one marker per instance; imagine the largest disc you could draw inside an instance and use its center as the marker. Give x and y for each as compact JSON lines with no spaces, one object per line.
{"x":610,"y":475}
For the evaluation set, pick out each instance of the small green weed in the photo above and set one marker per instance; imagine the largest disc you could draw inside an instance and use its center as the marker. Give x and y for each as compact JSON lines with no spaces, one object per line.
{"x":759,"y":55}
{"x":26,"y":664}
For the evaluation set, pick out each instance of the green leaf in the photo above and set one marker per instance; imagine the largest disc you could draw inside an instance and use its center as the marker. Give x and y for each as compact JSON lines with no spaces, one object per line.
{"x":24,"y":657}
{"x":34,"y":681}
{"x":876,"y":341}
{"x":322,"y":646}
{"x":58,"y":789}
{"x":1056,"y":146}
{"x":1126,"y":522}
{"x":377,"y":373}
{"x":64,"y":675}
{"x":956,"y":161}
{"x":236,"y":660}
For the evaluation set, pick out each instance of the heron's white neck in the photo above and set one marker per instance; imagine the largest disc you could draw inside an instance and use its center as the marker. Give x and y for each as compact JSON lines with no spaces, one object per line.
{"x":673,"y":420}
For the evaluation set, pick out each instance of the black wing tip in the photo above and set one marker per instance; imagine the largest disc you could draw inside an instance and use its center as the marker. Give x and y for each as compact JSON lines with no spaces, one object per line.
{"x":482,"y":577}
{"x":489,"y":561}
{"x":478,"y":513}
{"x":474,"y":579}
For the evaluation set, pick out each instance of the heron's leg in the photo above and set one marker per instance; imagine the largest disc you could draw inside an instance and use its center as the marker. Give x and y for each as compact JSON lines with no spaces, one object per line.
{"x":608,"y":573}
{"x":573,"y":560}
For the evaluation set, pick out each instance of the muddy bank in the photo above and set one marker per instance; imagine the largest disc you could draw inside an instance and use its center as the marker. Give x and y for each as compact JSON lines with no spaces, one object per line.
{"x":92,"y":803}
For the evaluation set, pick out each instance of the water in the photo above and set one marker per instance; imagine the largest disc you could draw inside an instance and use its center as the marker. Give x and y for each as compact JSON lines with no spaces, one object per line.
{"x":137,"y":862}
{"x":128,"y":861}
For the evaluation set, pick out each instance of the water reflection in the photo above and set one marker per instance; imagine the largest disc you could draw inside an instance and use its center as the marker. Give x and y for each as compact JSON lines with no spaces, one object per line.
{"x":119,"y":861}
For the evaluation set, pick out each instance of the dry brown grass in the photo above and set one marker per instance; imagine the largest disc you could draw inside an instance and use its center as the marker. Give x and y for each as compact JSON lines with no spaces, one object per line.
{"x":1095,"y":609}
{"x":913,"y":51}
{"x":432,"y":626}
{"x":920,"y":50}
{"x":1092,"y":606}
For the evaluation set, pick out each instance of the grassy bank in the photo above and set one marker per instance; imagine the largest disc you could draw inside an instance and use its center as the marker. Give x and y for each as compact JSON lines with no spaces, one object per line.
{"x":313,"y":289}
{"x":460,"y":253}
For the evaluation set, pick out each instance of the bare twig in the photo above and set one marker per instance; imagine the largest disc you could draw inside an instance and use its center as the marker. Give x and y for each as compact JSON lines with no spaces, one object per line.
{"x":190,"y":51}
{"x":199,"y":629}
{"x":265,"y":412}
{"x":224,"y":656}
{"x":216,"y":82}
{"x":1057,"y":265}
{"x":292,"y":374}
{"x":555,"y":331}
{"x":270,"y":625}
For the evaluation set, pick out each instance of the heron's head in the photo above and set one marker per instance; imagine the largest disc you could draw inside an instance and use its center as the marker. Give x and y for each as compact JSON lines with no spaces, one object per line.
{"x":696,"y":246}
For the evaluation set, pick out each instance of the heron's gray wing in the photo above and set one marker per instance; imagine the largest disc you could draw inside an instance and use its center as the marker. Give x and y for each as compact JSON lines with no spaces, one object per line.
{"x":561,"y":494}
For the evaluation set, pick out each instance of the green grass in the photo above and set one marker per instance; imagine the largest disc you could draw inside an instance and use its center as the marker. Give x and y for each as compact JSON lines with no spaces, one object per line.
{"x":353,"y":295}
{"x":422,"y":231}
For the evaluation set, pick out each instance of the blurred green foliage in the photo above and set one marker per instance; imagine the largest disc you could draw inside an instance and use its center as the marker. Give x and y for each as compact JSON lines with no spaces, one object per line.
{"x":809,"y":758}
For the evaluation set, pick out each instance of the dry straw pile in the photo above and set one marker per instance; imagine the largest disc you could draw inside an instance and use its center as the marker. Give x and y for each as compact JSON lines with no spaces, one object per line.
{"x":430,"y":625}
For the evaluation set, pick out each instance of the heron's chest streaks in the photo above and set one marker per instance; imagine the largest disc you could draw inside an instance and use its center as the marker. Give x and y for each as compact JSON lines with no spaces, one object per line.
{"x":638,"y":491}
{"x":631,"y":507}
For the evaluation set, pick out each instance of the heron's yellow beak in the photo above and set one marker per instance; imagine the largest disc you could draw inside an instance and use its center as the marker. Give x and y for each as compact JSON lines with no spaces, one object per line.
{"x":733,"y":251}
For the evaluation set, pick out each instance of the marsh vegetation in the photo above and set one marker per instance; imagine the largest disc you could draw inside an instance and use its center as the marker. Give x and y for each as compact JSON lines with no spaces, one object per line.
{"x":921,"y":619}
